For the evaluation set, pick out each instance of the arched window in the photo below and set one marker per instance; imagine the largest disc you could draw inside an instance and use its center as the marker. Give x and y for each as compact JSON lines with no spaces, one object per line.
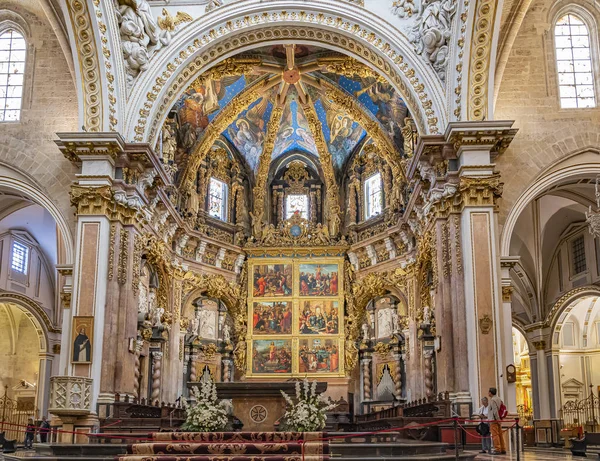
{"x":574,"y":63}
{"x":217,"y":199}
{"x":373,"y":196}
{"x":296,"y":203}
{"x":12,"y":70}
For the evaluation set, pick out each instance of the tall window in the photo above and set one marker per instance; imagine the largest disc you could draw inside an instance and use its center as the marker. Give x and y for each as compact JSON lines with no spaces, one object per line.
{"x":578,"y":255}
{"x":574,"y":63}
{"x":12,"y":69}
{"x":296,"y":203}
{"x":217,"y":199}
{"x":373,"y":196}
{"x":19,"y":257}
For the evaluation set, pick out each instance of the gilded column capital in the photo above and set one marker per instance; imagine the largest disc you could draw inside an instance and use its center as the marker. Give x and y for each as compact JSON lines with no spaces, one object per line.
{"x":539,"y":345}
{"x":507,"y":292}
{"x":100,"y":201}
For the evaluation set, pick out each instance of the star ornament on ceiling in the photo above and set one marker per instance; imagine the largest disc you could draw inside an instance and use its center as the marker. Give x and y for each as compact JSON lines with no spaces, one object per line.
{"x":292,"y":75}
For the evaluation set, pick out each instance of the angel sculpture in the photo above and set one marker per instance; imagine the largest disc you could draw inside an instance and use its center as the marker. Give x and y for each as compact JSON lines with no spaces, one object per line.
{"x":169,"y":25}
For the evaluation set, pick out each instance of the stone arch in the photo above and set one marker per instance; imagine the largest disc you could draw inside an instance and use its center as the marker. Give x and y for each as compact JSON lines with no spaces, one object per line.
{"x":569,"y":166}
{"x":42,"y":323}
{"x":229,"y":30}
{"x":566,"y":301}
{"x":23,"y":184}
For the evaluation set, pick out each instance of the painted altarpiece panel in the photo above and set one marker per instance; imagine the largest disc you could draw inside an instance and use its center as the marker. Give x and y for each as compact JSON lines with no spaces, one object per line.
{"x":291,"y":333}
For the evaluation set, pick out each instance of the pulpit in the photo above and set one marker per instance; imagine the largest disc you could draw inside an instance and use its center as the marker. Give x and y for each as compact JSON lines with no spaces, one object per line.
{"x":258,"y":405}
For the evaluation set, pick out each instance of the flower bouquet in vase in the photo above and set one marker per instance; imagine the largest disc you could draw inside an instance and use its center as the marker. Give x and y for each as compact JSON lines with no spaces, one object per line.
{"x":308,"y":412}
{"x":207,"y":414}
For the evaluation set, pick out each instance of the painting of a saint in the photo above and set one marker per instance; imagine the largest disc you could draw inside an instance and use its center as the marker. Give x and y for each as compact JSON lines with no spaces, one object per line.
{"x":319,"y":356}
{"x":272,"y":280}
{"x":83,"y":328}
{"x":273,"y":317}
{"x":319,"y":280}
{"x":272,"y":356}
{"x":319,"y":318}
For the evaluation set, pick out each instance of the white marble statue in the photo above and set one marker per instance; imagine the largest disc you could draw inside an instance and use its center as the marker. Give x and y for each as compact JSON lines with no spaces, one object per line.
{"x":226,"y":333}
{"x":139,"y":35}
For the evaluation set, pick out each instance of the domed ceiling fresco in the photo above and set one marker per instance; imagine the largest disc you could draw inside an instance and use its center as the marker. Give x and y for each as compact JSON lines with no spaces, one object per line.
{"x":302,"y":79}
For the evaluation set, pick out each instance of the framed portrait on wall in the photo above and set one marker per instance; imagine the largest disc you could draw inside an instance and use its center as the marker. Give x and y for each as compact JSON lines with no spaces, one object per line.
{"x":82,"y":339}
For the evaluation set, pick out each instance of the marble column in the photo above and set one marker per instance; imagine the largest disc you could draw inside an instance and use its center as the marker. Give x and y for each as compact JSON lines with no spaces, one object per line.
{"x":510,"y":389}
{"x":475,"y":144}
{"x":367,"y":379}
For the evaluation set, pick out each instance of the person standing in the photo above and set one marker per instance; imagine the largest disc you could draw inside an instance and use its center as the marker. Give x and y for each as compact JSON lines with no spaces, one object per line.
{"x":44,"y":430}
{"x":29,"y":433}
{"x":494,"y":413}
{"x":484,"y":427}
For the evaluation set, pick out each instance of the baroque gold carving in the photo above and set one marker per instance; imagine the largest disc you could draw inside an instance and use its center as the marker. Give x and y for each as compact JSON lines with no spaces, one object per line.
{"x":138,"y":246}
{"x":111,"y":251}
{"x":90,"y":72}
{"x":457,"y":245}
{"x":123,"y":257}
{"x":100,"y":201}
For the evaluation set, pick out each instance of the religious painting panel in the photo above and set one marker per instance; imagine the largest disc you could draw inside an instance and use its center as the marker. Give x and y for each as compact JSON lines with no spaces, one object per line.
{"x":319,"y":279}
{"x":272,"y":280}
{"x":272,"y":356}
{"x":319,"y":317}
{"x":319,"y":355}
{"x":82,"y":339}
{"x":272,"y":318}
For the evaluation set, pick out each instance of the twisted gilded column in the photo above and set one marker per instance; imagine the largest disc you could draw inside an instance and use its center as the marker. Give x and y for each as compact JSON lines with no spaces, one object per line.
{"x":366,"y":378}
{"x":428,"y":373}
{"x":136,"y":375}
{"x":193,"y":364}
{"x":156,"y":375}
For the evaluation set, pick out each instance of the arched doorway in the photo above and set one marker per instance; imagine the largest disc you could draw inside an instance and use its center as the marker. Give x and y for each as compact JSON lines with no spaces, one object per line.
{"x":523,"y":376}
{"x":23,"y":367}
{"x":576,"y":344}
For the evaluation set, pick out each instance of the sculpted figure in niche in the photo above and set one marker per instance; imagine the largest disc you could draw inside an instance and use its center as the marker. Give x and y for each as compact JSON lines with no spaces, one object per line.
{"x":207,"y":324}
{"x":385,"y":325}
{"x":169,"y":143}
{"x":226,"y":333}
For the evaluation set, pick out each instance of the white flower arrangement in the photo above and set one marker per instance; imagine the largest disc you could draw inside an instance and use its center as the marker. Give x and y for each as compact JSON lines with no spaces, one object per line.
{"x":207,"y":414}
{"x":309,"y":412}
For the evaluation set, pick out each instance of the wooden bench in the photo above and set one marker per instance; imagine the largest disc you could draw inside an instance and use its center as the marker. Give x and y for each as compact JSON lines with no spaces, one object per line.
{"x":579,"y":446}
{"x":8,"y":446}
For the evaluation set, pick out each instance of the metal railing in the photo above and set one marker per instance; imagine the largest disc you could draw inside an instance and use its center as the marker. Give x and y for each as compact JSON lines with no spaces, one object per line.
{"x":584,"y":413}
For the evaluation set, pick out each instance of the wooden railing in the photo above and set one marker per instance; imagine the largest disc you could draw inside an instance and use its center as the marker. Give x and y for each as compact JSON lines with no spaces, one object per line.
{"x":439,"y":406}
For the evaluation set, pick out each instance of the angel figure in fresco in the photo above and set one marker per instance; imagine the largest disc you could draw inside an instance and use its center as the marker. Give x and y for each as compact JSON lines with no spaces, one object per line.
{"x":391,"y":110}
{"x":343,"y":136}
{"x":307,"y":142}
{"x":286,"y":132}
{"x":198,"y":103}
{"x":248,"y":133}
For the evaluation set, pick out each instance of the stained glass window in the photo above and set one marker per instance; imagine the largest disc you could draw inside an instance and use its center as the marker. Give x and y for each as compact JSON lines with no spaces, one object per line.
{"x":19,"y":259}
{"x":12,"y":69}
{"x":217,"y":199}
{"x":373,"y":196}
{"x":574,"y":63}
{"x":297,"y":203}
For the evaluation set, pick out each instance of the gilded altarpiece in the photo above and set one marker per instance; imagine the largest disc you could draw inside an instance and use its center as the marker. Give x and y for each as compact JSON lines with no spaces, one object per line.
{"x":296,"y":317}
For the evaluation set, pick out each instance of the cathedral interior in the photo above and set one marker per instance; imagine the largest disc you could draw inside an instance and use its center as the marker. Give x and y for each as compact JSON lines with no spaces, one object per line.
{"x":398,"y":199}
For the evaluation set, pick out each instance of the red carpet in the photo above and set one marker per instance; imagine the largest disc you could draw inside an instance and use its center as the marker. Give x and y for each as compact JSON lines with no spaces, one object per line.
{"x":230,"y":446}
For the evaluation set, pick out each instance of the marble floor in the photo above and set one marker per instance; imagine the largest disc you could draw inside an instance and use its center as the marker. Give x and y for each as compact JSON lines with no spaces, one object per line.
{"x":533,"y":455}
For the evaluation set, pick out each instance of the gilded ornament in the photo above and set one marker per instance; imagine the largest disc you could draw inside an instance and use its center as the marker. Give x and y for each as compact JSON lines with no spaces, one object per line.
{"x":208,"y":350}
{"x":507,"y":292}
{"x":123,"y":256}
{"x":111,"y":251}
{"x":382,"y":349}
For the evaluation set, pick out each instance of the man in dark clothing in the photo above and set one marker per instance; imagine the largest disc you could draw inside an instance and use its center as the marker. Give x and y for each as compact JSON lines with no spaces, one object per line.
{"x":44,"y":430}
